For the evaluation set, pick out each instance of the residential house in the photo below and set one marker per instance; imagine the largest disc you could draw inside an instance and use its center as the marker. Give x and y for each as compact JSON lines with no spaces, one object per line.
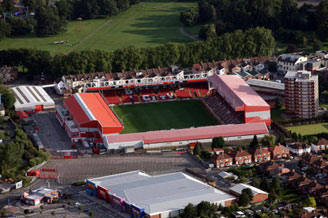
{"x":299,"y":148}
{"x":321,"y":145}
{"x":279,"y":151}
{"x":272,"y":169}
{"x":302,"y":183}
{"x":314,"y":189}
{"x":258,"y":194}
{"x":292,"y":177}
{"x":262,"y":154}
{"x":319,"y":165}
{"x":242,"y":157}
{"x":290,"y":62}
{"x":222,"y":160}
{"x":321,"y":54}
{"x":309,"y":159}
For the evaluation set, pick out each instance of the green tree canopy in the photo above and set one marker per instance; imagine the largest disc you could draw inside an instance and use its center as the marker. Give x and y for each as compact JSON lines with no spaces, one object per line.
{"x":217,"y":142}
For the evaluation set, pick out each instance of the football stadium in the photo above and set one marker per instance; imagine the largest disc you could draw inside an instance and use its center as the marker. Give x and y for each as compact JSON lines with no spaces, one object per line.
{"x":164,"y":109}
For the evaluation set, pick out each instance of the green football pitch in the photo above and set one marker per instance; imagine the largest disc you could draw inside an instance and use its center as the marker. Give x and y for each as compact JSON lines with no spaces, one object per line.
{"x":164,"y":115}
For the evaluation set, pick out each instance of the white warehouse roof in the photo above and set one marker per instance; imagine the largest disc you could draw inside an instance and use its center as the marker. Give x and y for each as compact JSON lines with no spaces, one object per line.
{"x":28,"y":97}
{"x":163,"y":193}
{"x":241,"y":186}
{"x":266,"y":84}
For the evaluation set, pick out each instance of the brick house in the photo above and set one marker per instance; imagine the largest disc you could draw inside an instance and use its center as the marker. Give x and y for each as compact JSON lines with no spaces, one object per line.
{"x":261,"y":154}
{"x":258,"y":194}
{"x":292,"y":177}
{"x":319,"y":165}
{"x":321,"y":145}
{"x":242,"y":157}
{"x":279,"y":151}
{"x":222,"y":160}
{"x":272,"y":169}
{"x":314,"y":189}
{"x":302,"y":183}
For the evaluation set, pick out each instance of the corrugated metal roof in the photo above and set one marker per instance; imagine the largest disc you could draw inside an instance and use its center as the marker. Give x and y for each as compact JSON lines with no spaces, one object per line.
{"x":241,"y":186}
{"x":27,"y":97}
{"x":86,"y":107}
{"x":238,"y":90}
{"x":164,"y":193}
{"x":191,"y":133}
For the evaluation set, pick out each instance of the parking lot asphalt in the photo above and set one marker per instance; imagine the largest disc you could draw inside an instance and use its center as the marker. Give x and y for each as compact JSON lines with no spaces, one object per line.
{"x":71,"y":170}
{"x":52,"y":135}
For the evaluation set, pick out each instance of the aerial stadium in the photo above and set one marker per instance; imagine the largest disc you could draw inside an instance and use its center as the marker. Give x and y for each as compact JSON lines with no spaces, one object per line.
{"x":154,"y":108}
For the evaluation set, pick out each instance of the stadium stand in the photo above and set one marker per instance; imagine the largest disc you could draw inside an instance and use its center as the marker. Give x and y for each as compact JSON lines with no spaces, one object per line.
{"x":156,"y":93}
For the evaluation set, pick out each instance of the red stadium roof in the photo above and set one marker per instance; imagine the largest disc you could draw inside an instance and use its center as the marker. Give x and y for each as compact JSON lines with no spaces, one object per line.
{"x":190,"y":134}
{"x":88,"y":107}
{"x":237,"y":90}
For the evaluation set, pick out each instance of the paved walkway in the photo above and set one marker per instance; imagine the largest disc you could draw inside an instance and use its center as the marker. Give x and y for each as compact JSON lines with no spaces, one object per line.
{"x":183,"y":32}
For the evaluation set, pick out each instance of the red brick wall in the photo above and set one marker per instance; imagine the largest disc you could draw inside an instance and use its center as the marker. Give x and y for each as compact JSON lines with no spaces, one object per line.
{"x":259,"y":198}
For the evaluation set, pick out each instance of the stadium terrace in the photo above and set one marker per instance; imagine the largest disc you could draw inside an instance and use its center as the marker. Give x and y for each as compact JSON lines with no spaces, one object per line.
{"x":239,"y":110}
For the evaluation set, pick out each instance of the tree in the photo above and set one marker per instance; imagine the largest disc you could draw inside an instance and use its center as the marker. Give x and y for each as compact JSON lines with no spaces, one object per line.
{"x":206,"y":11}
{"x":317,"y":45}
{"x":7,"y":97}
{"x":205,"y":208}
{"x":20,"y":26}
{"x":5,"y":29}
{"x":272,"y":196}
{"x":48,"y":21}
{"x":304,"y":42}
{"x":189,"y":211}
{"x":197,"y":150}
{"x":208,"y":31}
{"x":246,"y":197}
{"x":324,"y":96}
{"x":91,"y":214}
{"x":265,"y":185}
{"x":65,"y":9}
{"x":254,"y":143}
{"x":276,"y":184}
{"x":310,"y":202}
{"x":269,"y":140}
{"x":322,"y":20}
{"x":217,"y":142}
{"x":190,"y":17}
{"x":282,"y":139}
{"x":278,"y":104}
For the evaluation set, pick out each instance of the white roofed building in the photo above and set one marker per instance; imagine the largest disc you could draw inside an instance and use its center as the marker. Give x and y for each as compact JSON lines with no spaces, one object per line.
{"x":32,"y":98}
{"x":258,"y":194}
{"x":143,"y":195}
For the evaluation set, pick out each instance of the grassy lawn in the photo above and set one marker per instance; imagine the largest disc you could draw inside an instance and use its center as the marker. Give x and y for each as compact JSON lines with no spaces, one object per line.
{"x":194,"y":30}
{"x":290,"y":196}
{"x":310,"y":129}
{"x":150,"y":23}
{"x":324,"y":105}
{"x":276,"y":114}
{"x":164,"y":115}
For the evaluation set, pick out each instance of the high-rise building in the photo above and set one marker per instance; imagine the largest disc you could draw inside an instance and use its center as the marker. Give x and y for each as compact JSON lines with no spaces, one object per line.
{"x":301,"y":94}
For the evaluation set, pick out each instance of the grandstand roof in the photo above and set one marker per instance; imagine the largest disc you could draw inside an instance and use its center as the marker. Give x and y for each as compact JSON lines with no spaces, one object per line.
{"x":207,"y":132}
{"x":162,"y":193}
{"x":87,"y":107}
{"x":27,"y":97}
{"x":239,"y":92}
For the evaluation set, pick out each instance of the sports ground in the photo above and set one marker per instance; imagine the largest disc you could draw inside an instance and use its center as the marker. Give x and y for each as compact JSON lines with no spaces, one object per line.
{"x":164,"y":115}
{"x":147,"y":24}
{"x":310,"y":129}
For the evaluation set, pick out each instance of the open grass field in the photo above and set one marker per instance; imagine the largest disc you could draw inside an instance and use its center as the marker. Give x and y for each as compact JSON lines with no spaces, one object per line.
{"x":164,"y":115}
{"x":150,"y":23}
{"x":310,"y":129}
